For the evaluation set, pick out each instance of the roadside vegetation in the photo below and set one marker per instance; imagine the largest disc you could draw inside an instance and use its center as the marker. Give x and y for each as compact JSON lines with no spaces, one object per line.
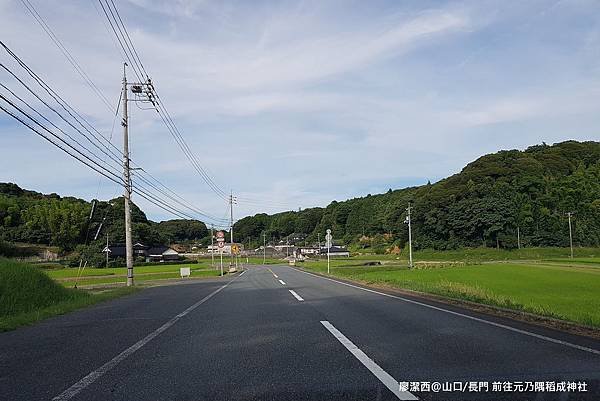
{"x":545,"y":285}
{"x":28,"y":295}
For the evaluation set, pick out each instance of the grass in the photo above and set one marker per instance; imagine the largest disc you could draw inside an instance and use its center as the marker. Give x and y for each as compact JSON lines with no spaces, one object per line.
{"x":559,"y":291}
{"x":115,"y":271}
{"x":95,"y":280}
{"x":487,"y":254}
{"x":28,"y":295}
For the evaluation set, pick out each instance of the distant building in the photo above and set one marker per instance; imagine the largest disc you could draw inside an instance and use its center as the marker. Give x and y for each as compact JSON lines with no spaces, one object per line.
{"x":309,"y":250}
{"x":336,"y":251}
{"x":160,"y":253}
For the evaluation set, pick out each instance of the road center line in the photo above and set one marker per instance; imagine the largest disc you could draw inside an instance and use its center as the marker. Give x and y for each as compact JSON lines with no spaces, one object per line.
{"x":96,"y":374}
{"x":282,"y":282}
{"x":274,"y":275}
{"x":381,"y":374}
{"x":298,"y":297}
{"x":500,"y":325}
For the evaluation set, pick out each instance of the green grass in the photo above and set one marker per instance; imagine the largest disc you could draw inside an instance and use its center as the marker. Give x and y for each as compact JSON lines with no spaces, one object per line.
{"x":487,"y":254}
{"x":562,"y":292}
{"x":28,"y":295}
{"x":139,"y":277}
{"x":113,"y":271}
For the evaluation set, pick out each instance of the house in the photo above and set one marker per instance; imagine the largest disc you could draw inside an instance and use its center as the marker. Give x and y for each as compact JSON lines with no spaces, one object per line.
{"x":158,"y":253}
{"x":309,"y":250}
{"x":161,"y":253}
{"x":336,"y":251}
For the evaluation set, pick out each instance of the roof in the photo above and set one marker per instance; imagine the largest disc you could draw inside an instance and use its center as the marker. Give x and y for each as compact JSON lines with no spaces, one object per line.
{"x":159,"y":250}
{"x":334,"y":249}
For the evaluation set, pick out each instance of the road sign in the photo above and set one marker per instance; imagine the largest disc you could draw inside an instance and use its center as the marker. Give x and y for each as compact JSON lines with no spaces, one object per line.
{"x":235,"y":249}
{"x":220,"y":234}
{"x":328,"y":239}
{"x":221,"y":244}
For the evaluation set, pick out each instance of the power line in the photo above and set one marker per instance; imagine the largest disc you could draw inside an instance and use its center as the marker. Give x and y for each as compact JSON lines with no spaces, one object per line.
{"x":65,"y":52}
{"x":132,"y":56}
{"x":83,"y":153}
{"x":82,"y":158}
{"x":64,"y":105}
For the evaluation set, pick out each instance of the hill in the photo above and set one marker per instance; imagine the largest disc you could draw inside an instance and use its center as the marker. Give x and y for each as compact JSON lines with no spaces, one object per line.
{"x":483,"y":205}
{"x":69,"y":223}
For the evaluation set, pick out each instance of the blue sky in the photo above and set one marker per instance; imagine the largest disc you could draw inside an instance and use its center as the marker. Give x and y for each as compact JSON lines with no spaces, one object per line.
{"x":299,"y":103}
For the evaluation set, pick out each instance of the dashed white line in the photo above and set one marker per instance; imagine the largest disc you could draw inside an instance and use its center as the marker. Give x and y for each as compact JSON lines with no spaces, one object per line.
{"x":381,"y":374}
{"x":282,"y":282}
{"x":96,"y":374}
{"x":298,"y":297}
{"x":500,"y":325}
{"x":242,"y":273}
{"x":275,"y":275}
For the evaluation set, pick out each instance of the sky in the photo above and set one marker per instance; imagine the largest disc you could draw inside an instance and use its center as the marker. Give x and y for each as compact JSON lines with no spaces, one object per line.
{"x":292,"y":104}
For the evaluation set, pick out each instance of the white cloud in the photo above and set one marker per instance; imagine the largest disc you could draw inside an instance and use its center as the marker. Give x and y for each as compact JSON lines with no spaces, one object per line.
{"x":301,"y":103}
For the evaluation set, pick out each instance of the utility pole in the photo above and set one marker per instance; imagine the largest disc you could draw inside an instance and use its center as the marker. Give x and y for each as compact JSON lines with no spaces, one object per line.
{"x":264,"y":248}
{"x":231,"y":225}
{"x":570,"y":233}
{"x":518,"y":238}
{"x":328,"y":239}
{"x":319,"y":242}
{"x":212,"y":248}
{"x":106,"y":249}
{"x":410,"y":256}
{"x":231,"y":217}
{"x":127,"y":177}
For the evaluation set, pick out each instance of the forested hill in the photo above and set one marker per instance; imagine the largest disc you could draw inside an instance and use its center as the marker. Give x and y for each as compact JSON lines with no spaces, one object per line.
{"x":32,"y":217}
{"x":483,"y":205}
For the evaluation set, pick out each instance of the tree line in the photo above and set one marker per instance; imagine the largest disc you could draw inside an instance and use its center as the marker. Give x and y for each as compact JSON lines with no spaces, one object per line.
{"x":73,"y":224}
{"x":486,"y":204}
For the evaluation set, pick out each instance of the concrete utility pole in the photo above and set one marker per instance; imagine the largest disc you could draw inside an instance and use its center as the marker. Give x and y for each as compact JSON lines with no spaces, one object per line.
{"x":106,"y":249}
{"x":328,"y":239}
{"x":569,"y":214}
{"x":518,"y":238}
{"x":231,"y":226}
{"x":319,"y":242}
{"x":212,"y":248}
{"x":410,"y":256}
{"x":264,"y":248}
{"x":127,"y":176}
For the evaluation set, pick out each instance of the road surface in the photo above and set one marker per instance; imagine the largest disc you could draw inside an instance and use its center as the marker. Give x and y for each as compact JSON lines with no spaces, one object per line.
{"x":277,"y":333}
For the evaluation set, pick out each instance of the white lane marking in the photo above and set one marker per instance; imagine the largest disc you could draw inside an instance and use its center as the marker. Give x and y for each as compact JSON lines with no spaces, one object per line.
{"x":381,"y":374}
{"x":242,"y":273}
{"x":298,"y":297}
{"x":500,"y":325}
{"x":275,"y":275}
{"x":282,"y":282}
{"x":96,"y":374}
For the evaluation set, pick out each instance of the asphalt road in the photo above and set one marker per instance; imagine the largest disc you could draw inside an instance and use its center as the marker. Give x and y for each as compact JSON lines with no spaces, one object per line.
{"x":276,"y":333}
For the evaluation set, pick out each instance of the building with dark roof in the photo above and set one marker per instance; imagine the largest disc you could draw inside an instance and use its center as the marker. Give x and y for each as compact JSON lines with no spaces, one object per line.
{"x":159,"y":253}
